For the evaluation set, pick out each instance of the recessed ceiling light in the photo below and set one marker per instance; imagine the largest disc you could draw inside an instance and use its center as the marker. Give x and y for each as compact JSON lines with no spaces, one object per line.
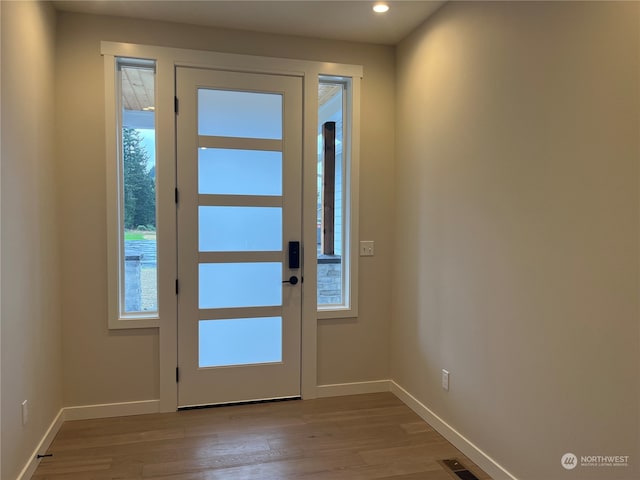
{"x":381,"y":8}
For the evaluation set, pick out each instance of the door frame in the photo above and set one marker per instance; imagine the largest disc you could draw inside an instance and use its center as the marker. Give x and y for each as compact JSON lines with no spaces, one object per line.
{"x":167,"y":60}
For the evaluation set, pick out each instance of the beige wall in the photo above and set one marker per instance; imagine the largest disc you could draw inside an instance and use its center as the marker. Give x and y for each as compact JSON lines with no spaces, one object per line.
{"x":517,"y":229}
{"x":515,"y":196}
{"x":31,"y":320}
{"x":102,"y":366}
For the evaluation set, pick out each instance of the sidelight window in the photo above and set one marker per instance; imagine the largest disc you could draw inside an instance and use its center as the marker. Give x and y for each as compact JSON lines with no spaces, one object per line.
{"x":335,"y":195}
{"x":132,"y":191}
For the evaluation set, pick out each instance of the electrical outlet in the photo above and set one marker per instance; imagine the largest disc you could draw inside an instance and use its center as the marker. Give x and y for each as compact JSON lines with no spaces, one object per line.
{"x":25,"y":412}
{"x":445,"y":380}
{"x":366,"y":248}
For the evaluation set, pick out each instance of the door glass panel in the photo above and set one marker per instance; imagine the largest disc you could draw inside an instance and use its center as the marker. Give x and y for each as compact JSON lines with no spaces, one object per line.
{"x":239,"y":341}
{"x":230,"y":285}
{"x":239,"y":172}
{"x":225,"y":113}
{"x":240,"y":229}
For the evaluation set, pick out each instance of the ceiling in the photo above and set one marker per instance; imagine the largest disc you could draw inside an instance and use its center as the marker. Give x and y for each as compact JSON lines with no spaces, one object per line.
{"x":329,"y":19}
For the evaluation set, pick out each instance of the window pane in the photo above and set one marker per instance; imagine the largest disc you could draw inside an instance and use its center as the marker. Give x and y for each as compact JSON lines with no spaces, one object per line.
{"x":240,"y":229}
{"x":230,"y":285}
{"x":239,"y":341}
{"x":225,"y":113}
{"x":239,"y":172}
{"x":330,"y":200}
{"x":138,"y":156}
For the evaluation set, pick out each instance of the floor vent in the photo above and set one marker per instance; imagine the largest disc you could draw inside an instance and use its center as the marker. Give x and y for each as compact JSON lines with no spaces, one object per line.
{"x":457,"y":470}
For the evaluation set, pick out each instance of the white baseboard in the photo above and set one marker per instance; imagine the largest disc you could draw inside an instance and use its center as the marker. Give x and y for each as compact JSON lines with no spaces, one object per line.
{"x":480,"y":458}
{"x":85,"y":413}
{"x":124,"y":409}
{"x":356,"y":388}
{"x":42,"y":447}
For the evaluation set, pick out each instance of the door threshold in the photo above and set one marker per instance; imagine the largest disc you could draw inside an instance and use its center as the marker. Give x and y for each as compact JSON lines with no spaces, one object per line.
{"x":244,"y":402}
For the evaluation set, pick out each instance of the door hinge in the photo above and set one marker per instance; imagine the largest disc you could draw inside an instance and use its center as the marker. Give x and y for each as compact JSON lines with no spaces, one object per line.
{"x":177,"y":287}
{"x":177,"y":374}
{"x":176,"y":195}
{"x":176,"y":102}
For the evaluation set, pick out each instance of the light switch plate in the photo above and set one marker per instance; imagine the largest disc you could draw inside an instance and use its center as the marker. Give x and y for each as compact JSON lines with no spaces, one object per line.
{"x":367,"y":248}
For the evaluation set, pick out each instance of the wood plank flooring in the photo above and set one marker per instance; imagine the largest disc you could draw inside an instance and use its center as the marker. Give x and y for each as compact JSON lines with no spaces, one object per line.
{"x":358,"y":437}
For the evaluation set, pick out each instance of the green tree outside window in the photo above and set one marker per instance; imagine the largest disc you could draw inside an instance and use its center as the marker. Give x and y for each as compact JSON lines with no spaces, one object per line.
{"x":139,"y":183}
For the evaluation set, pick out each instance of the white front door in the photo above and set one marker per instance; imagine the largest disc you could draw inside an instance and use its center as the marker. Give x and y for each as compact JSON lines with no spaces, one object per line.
{"x":239,"y":170}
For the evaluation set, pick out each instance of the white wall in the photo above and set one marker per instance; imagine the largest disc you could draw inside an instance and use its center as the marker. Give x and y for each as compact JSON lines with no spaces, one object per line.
{"x":31,"y":319}
{"x":516,"y":247}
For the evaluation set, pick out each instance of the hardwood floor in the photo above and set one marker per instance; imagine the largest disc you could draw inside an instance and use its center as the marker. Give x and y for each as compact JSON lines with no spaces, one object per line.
{"x":359,"y":437}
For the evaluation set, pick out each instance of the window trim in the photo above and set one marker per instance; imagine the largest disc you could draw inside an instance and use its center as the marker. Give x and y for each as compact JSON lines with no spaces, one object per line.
{"x":117,"y":319}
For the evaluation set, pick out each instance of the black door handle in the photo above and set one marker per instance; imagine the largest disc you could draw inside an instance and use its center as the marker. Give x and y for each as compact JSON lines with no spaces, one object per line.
{"x":293,"y":280}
